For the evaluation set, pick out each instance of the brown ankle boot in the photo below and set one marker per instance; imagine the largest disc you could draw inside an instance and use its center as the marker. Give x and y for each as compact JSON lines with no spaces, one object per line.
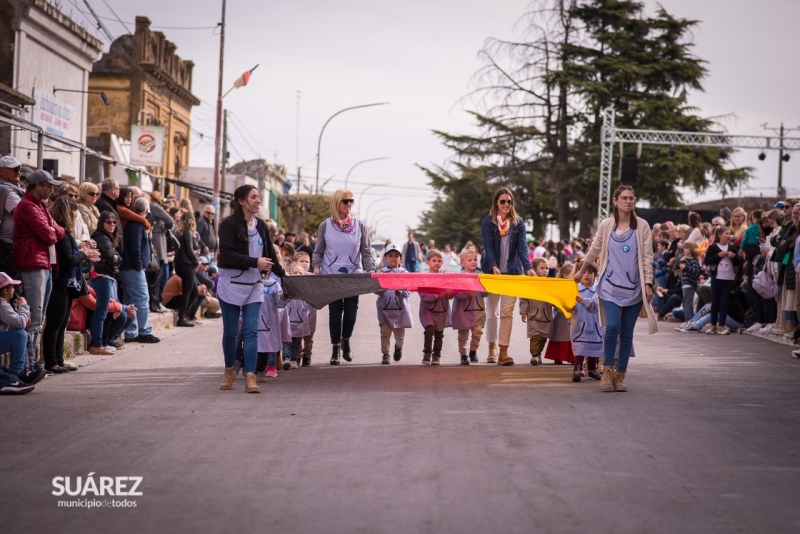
{"x":227,"y":379}
{"x":619,"y":382}
{"x":492,"y":358}
{"x":607,"y":383}
{"x":250,"y":383}
{"x":504,"y":358}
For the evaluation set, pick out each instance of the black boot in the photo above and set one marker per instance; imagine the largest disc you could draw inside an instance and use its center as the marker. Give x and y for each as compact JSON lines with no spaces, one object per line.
{"x":398,"y":353}
{"x":335,"y":355}
{"x":346,"y":353}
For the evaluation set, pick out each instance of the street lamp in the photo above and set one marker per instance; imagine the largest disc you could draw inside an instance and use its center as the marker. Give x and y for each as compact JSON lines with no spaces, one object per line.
{"x":370,"y":187}
{"x":359,"y":163}
{"x":366,"y":210}
{"x":319,"y":141}
{"x":103,"y":96}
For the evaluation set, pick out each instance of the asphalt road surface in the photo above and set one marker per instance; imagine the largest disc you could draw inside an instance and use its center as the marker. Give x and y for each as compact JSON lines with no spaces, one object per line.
{"x":705,"y":440}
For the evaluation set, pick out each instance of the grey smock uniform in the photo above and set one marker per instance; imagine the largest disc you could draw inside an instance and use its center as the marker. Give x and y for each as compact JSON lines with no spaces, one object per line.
{"x":392,"y":309}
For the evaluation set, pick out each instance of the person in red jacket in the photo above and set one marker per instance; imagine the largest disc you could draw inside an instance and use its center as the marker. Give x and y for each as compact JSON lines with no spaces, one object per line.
{"x":35,"y":234}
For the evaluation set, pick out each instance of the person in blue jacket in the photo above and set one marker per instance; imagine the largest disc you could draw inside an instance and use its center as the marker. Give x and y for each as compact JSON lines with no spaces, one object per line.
{"x":505,"y":252}
{"x":136,"y":256}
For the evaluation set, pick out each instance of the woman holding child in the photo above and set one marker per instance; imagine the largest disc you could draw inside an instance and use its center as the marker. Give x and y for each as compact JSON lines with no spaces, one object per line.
{"x":342,"y":247}
{"x":624,"y":245}
{"x":505,"y":252}
{"x":246,"y":254}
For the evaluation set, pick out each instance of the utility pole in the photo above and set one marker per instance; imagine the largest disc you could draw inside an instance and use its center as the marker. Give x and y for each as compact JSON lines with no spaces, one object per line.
{"x":217,"y":139}
{"x":781,"y":131}
{"x":298,"y":179}
{"x":224,"y":169}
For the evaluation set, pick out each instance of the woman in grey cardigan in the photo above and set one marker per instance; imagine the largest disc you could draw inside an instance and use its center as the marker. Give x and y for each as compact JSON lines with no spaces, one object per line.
{"x":624,"y":245}
{"x":161,"y":223}
{"x":342,"y":248}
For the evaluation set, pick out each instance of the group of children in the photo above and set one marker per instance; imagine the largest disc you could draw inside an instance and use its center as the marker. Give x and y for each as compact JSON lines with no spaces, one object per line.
{"x":578,"y":340}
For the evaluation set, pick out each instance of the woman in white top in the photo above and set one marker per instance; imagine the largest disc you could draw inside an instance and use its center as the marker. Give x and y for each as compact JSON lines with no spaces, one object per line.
{"x":342,"y":248}
{"x":722,"y":259}
{"x":449,"y":259}
{"x":696,"y":235}
{"x":246,"y":254}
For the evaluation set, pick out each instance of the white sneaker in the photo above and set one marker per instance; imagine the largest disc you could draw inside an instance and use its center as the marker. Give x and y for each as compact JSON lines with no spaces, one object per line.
{"x":681,"y":327}
{"x":767,"y":327}
{"x":754,"y":327}
{"x":723,"y":331}
{"x":110,"y":348}
{"x":71,"y":366}
{"x":796,"y":353}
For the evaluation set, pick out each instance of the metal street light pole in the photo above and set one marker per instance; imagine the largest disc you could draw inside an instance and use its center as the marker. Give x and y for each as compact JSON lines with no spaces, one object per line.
{"x":319,"y":141}
{"x":366,"y":210}
{"x":346,"y":178}
{"x":368,"y":188}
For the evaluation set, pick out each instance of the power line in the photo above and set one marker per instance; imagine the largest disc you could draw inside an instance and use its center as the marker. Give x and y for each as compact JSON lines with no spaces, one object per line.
{"x":254,"y":137}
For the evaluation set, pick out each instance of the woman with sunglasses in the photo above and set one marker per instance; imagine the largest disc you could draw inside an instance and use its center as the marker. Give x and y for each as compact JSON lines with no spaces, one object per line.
{"x":87,"y":197}
{"x":624,"y":245}
{"x":104,"y":283}
{"x":342,"y":247}
{"x":505,"y":252}
{"x":124,"y":209}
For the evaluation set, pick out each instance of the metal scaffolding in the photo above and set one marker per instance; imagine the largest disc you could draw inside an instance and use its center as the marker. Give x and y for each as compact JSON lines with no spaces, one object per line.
{"x":610,"y":135}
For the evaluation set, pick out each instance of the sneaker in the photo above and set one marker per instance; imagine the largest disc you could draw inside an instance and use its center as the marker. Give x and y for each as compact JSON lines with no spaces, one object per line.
{"x":576,"y":376}
{"x":110,"y":348}
{"x":539,"y":359}
{"x":464,"y":359}
{"x":705,"y":329}
{"x":287,"y":364}
{"x":293,"y":365}
{"x":594,"y":375}
{"x":473,"y":356}
{"x":534,"y":360}
{"x":426,"y":358}
{"x":16,"y":388}
{"x":183,"y":321}
{"x":796,"y":353}
{"x":306,"y":361}
{"x":272,"y":371}
{"x":712,"y":329}
{"x":118,"y":345}
{"x":681,"y":327}
{"x":147,"y":338}
{"x":69,"y":365}
{"x":398,"y":353}
{"x":754,"y":328}
{"x":723,"y":331}
{"x":385,"y":360}
{"x":33,"y":376}
{"x":435,"y":359}
{"x":767,"y":327}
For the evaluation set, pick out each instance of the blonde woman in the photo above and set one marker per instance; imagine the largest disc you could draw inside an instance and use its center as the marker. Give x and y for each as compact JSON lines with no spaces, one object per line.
{"x":738,"y":223}
{"x":342,"y":247}
{"x":186,"y":262}
{"x":88,"y":193}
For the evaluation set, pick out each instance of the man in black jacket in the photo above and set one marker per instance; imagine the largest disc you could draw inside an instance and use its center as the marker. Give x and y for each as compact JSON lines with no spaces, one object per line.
{"x":110,"y":191}
{"x":208,"y":232}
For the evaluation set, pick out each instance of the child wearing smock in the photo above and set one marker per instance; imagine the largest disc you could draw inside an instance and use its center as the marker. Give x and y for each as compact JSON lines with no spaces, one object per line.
{"x":587,"y":336}
{"x":270,"y":332}
{"x":538,"y":315}
{"x":394,"y":313}
{"x":469,"y":312}
{"x":303,"y":259}
{"x":434,"y":315}
{"x":300,"y":326}
{"x":559,"y":348}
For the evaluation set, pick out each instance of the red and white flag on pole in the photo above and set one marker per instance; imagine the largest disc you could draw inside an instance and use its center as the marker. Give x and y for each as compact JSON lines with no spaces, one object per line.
{"x":242,"y":80}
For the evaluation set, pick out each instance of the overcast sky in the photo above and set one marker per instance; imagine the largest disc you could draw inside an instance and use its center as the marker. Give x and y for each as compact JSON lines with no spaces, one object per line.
{"x":420,"y":56}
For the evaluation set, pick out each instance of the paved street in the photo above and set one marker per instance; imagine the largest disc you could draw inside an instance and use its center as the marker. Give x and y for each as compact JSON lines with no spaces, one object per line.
{"x":705,"y":441}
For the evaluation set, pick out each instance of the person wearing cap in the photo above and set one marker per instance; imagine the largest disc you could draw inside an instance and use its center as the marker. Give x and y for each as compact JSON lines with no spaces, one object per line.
{"x":14,"y":317}
{"x":36,"y":233}
{"x":342,"y":247}
{"x":207,"y":230}
{"x":10,"y":196}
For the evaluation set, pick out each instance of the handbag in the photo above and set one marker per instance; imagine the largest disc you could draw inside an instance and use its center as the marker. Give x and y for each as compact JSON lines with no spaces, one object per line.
{"x":172,"y":242}
{"x":764,"y":285}
{"x":155,"y":264}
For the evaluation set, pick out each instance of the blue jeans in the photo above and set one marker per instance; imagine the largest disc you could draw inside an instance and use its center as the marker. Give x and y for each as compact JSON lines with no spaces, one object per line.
{"x":230,"y":332}
{"x":36,"y":288}
{"x":165,"y":276}
{"x":620,"y":322}
{"x":102,"y":287}
{"x":136,"y":292}
{"x":15,"y":341}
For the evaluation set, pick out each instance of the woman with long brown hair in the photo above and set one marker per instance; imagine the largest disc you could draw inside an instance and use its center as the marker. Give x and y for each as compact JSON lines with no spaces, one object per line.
{"x":624,"y":245}
{"x":186,"y":263}
{"x":67,"y":283}
{"x":245,"y":253}
{"x":106,"y":269}
{"x":505,"y":252}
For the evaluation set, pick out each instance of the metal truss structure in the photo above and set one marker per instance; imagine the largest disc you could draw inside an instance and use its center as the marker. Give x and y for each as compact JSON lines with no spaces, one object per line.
{"x":610,"y":135}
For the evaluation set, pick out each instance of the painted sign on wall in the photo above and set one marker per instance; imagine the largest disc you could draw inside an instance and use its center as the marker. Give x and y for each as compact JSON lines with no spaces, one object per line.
{"x":147,"y":145}
{"x":54,"y":116}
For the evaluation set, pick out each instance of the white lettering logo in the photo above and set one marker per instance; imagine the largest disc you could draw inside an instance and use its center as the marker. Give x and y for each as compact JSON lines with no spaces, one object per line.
{"x":98,"y":487}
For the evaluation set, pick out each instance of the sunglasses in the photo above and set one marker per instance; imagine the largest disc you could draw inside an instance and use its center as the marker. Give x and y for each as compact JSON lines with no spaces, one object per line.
{"x":112,"y":222}
{"x":348,"y":201}
{"x":93,"y":194}
{"x":72,"y":195}
{"x":503,"y":202}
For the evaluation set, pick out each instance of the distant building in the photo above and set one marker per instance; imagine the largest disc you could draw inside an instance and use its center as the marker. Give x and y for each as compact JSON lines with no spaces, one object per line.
{"x":44,"y":55}
{"x":148,"y":83}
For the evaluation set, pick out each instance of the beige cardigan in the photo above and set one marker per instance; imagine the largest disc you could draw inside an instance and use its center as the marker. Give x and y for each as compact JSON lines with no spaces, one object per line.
{"x":644,"y":242}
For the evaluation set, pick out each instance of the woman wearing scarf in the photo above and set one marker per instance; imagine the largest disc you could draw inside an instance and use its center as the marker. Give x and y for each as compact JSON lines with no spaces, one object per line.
{"x":342,"y":247}
{"x":505,"y":252}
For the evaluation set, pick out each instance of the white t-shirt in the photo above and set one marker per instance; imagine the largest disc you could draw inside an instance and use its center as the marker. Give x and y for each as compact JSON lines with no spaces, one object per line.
{"x":447,"y":260}
{"x":725,"y":267}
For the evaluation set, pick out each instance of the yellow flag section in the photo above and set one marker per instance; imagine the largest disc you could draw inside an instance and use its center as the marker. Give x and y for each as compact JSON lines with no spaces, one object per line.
{"x":560,"y":292}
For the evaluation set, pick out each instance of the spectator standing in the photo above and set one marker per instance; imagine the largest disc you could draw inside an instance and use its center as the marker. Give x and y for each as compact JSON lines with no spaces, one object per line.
{"x":136,"y":256}
{"x":87,"y":200}
{"x":10,"y":196}
{"x":186,"y":263}
{"x":36,"y":233}
{"x":162,"y":223}
{"x":448,"y":259}
{"x":696,"y":234}
{"x":207,"y":229}
{"x":125,"y":213}
{"x":411,"y":253}
{"x":104,"y":283}
{"x":722,"y":259}
{"x":109,"y":192}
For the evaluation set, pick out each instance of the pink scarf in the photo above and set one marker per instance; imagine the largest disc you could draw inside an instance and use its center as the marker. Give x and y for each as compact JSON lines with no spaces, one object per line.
{"x":345,"y":226}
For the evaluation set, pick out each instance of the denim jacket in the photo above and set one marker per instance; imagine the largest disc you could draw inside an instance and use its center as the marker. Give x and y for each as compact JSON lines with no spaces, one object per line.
{"x":518,"y":262}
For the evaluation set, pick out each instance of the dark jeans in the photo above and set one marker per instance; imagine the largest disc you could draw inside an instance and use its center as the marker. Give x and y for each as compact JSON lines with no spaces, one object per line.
{"x":57,"y":316}
{"x":191,"y":308}
{"x":672,"y":302}
{"x":688,"y":301}
{"x":112,"y":328}
{"x":154,"y":287}
{"x":720,"y":295}
{"x":102,"y":287}
{"x":188,"y":287}
{"x":342,"y":327}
